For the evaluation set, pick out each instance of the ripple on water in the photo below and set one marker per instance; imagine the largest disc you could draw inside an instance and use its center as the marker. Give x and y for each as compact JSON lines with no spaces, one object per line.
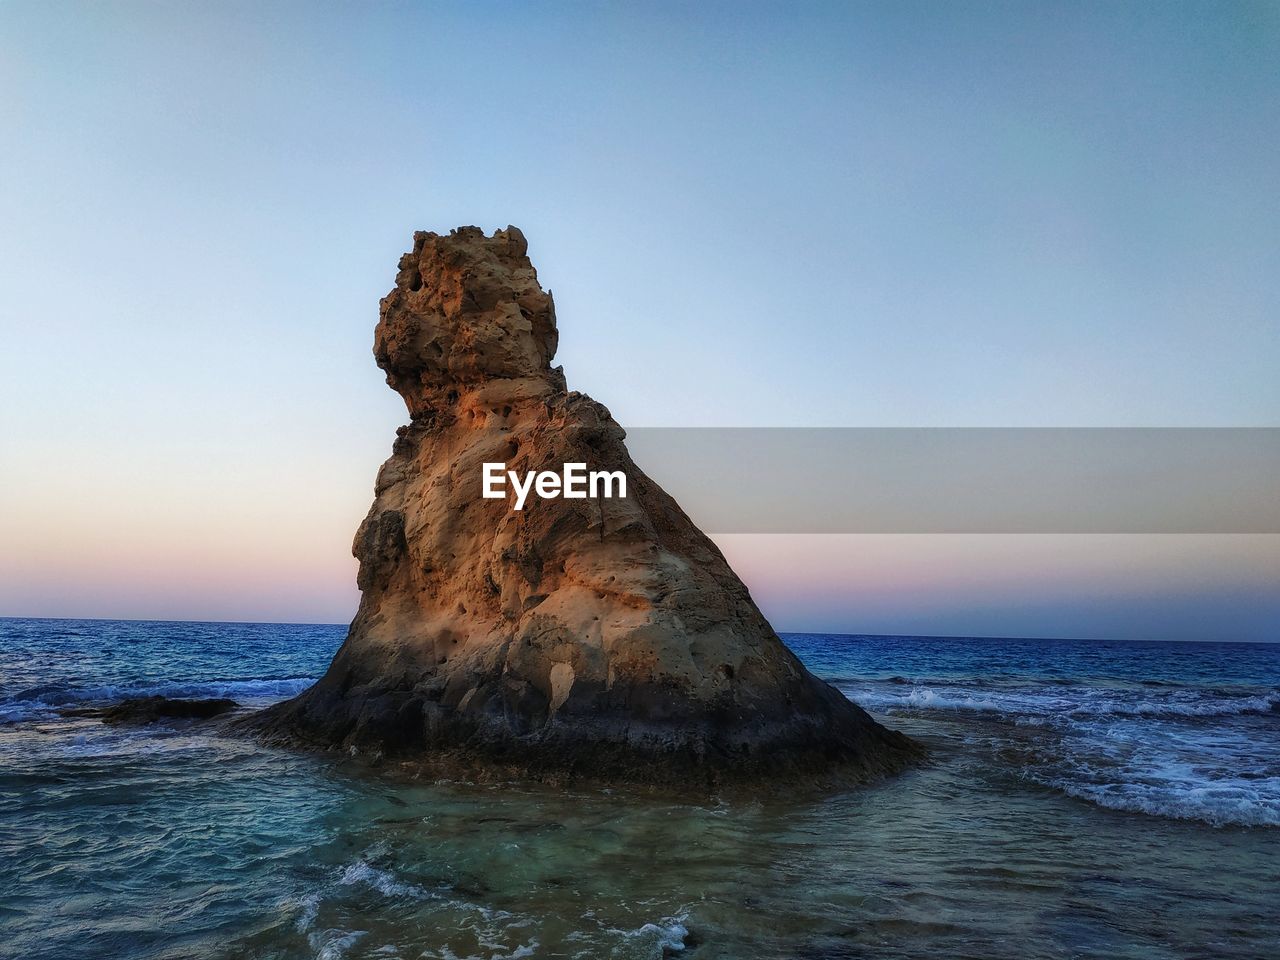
{"x":166,"y":842}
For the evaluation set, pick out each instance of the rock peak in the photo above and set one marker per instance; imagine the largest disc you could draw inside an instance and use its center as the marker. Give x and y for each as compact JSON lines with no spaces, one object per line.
{"x":466,"y":308}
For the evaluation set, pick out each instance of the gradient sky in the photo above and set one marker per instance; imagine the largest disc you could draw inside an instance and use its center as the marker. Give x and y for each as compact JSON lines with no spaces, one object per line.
{"x":793,"y":214}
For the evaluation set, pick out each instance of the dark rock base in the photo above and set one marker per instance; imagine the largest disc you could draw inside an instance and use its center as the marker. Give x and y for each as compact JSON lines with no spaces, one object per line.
{"x":782,"y":755}
{"x":144,"y":710}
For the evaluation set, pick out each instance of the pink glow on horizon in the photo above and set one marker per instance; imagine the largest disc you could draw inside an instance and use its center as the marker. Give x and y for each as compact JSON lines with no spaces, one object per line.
{"x":1142,"y":586}
{"x":132,"y":557}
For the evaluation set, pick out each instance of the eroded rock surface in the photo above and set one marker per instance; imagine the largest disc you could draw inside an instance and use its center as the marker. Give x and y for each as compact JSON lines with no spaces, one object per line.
{"x":604,"y":639}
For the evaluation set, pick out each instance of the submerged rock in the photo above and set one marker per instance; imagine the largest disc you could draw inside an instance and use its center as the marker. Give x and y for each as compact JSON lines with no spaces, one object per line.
{"x":144,"y":710}
{"x":602,"y":638}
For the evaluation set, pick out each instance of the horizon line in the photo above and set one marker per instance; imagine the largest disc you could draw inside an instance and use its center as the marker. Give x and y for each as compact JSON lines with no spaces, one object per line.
{"x":780,"y":633}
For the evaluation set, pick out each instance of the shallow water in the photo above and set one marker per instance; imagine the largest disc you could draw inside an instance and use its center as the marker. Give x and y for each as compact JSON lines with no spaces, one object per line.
{"x":1113,"y":800}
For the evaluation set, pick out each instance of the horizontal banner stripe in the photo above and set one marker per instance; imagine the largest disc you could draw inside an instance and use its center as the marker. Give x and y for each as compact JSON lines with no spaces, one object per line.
{"x":968,"y":480}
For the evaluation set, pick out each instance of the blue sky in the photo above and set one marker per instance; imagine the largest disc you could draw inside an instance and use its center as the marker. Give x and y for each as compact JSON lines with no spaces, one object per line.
{"x":849,"y":214}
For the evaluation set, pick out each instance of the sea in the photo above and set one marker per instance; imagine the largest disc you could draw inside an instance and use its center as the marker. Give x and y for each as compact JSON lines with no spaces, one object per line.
{"x":1083,"y":799}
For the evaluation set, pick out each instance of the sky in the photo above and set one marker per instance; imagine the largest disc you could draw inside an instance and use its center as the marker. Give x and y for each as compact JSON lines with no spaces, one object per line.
{"x":855,"y":214}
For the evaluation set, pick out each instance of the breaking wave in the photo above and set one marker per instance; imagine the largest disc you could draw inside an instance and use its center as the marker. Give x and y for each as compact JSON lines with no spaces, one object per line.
{"x":1167,"y":750}
{"x":1056,"y":700}
{"x":1220,"y":802}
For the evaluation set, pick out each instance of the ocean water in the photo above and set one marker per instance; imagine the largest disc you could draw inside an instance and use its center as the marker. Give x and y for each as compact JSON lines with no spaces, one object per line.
{"x":1083,"y":799}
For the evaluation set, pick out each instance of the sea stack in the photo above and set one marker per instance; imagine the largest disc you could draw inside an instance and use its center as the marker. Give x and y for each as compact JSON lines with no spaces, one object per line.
{"x":596,"y":639}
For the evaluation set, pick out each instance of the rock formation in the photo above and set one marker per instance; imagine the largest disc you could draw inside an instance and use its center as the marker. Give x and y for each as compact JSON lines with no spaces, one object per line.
{"x":145,"y":710}
{"x":599,"y":639}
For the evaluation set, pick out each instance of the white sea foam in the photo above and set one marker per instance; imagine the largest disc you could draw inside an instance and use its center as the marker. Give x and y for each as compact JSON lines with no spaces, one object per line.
{"x":334,"y":944}
{"x":1060,"y":700}
{"x":1195,"y":704}
{"x":1230,"y":789}
{"x":666,"y":934}
{"x":519,"y":952}
{"x":671,"y":934}
{"x":1219,"y":803}
{"x":1169,"y":751}
{"x":385,"y":883}
{"x":308,"y":908}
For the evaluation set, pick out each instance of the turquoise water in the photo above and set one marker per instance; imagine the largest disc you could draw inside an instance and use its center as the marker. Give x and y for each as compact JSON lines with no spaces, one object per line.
{"x":1084,"y":800}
